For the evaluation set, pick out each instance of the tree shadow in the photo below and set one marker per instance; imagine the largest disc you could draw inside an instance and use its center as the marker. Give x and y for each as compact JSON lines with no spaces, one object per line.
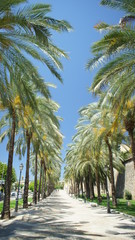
{"x":46,"y":220}
{"x":34,"y":229}
{"x":129,"y":227}
{"x":49,"y":219}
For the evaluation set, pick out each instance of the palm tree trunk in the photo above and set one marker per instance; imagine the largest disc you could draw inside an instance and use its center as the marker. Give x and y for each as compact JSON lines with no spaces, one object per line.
{"x":82,"y":187}
{"x":87,"y":186}
{"x":98,"y":184}
{"x":114,"y":201}
{"x":93,"y":194}
{"x":26,"y":187}
{"x":44,"y":195}
{"x":42,"y":183}
{"x":91,"y":184}
{"x":74,"y":188}
{"x":6,"y":205}
{"x":78,"y":190}
{"x":131,"y":134}
{"x":44,"y":179}
{"x":49,"y":186}
{"x":39,"y":188}
{"x":35,"y":182}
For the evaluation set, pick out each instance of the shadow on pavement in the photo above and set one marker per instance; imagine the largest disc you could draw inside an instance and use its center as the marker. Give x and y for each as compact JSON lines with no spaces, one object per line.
{"x":46,"y":221}
{"x":35,"y":230}
{"x":49,"y":219}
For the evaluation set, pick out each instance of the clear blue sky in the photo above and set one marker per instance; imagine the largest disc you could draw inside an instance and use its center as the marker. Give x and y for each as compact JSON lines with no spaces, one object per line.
{"x":73,"y":94}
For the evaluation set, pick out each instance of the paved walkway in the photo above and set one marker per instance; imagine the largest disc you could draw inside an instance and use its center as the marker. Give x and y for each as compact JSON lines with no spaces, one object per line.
{"x":62,"y":217}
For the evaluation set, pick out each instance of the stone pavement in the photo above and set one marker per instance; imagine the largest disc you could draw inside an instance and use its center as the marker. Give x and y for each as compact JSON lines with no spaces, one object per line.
{"x":62,"y":217}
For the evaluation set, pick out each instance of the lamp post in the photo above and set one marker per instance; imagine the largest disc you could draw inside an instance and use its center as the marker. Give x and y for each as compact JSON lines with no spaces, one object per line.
{"x":107,"y":192}
{"x":2,"y":181}
{"x":16,"y":205}
{"x":2,"y":171}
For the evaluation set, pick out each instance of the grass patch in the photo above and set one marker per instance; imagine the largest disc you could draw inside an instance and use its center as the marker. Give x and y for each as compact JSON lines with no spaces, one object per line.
{"x":12,"y":203}
{"x":121,"y":206}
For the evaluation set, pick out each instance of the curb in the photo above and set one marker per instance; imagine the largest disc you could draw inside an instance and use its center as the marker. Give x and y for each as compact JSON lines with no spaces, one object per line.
{"x":113,"y":211}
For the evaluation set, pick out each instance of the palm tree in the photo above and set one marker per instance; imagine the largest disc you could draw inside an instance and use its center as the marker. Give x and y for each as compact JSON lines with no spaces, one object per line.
{"x":26,"y":186}
{"x":102,"y":126}
{"x":128,"y":118}
{"x":13,"y":99}
{"x":122,"y":5}
{"x":9,"y":101}
{"x":115,"y":51}
{"x":35,"y":180}
{"x":90,"y":146}
{"x":95,"y":143}
{"x":36,"y":150}
{"x":28,"y":29}
{"x":46,"y":127}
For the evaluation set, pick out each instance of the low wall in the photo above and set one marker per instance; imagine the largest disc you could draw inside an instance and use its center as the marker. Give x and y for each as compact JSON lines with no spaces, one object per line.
{"x":126,"y":180}
{"x":130,"y":177}
{"x":123,"y":181}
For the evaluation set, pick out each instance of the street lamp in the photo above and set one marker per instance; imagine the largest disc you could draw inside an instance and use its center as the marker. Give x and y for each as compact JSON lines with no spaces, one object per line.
{"x":16,"y":205}
{"x":107,"y":192}
{"x":2,"y":181}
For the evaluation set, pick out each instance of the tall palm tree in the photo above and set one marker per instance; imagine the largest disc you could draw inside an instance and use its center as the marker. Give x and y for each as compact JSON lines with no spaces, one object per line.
{"x":36,"y":150}
{"x":96,"y":141}
{"x":102,"y":126}
{"x":127,"y":116}
{"x":122,"y":5}
{"x":11,"y":104}
{"x":28,"y":29}
{"x":26,"y":186}
{"x":13,"y":98}
{"x":115,"y":52}
{"x":46,"y":126}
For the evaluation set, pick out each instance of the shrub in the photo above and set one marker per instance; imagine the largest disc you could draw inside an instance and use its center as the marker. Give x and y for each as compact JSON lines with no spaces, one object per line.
{"x":31,"y":185}
{"x":128,"y":195}
{"x":59,"y":185}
